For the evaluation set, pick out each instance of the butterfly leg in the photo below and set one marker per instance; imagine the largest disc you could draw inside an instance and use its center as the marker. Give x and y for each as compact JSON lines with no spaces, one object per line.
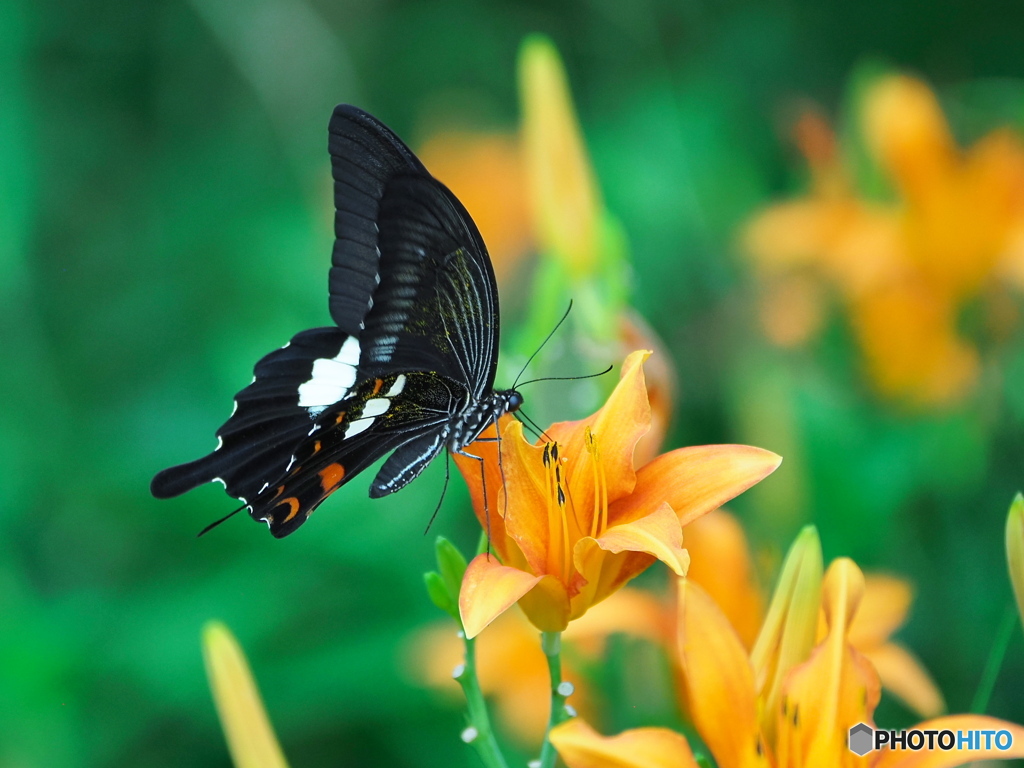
{"x":483,"y":483}
{"x":447,"y":477}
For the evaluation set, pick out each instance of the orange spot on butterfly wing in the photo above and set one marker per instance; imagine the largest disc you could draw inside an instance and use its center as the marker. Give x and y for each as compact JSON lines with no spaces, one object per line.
{"x":293,"y":504}
{"x":331,"y":477}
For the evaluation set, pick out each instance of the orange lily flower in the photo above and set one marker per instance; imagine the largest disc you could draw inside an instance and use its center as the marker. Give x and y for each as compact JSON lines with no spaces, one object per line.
{"x":572,"y":521}
{"x":822,"y":697}
{"x":904,"y":269}
{"x":514,"y":673}
{"x":721,"y":563}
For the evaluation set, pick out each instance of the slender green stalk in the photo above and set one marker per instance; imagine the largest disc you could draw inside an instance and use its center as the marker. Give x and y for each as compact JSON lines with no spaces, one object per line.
{"x":995,"y":661}
{"x":479,"y":732}
{"x":551,"y":642}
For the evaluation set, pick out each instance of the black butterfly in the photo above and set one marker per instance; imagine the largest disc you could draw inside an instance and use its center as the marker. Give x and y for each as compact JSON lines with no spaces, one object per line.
{"x":410,"y":366}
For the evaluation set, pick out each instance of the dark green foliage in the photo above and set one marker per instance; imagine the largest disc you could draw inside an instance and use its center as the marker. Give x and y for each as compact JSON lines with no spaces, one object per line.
{"x":165,"y":221}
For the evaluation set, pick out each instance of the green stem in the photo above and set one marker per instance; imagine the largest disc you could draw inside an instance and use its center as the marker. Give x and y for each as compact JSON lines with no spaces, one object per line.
{"x":479,"y":732}
{"x":551,"y":642}
{"x":995,"y":661}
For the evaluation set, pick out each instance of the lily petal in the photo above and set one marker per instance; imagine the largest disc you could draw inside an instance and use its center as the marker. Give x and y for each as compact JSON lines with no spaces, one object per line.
{"x":883,"y":610}
{"x":526,"y":524}
{"x":565,"y":201}
{"x":605,"y":564}
{"x":488,"y":590}
{"x":247,"y":728}
{"x":954,"y":757}
{"x":787,"y":635}
{"x":547,"y":605}
{"x":580,"y":746}
{"x":904,"y":677}
{"x":907,"y":131}
{"x":720,"y":562}
{"x":718,"y":681}
{"x":834,"y":690}
{"x":617,"y":426}
{"x":658,"y":534}
{"x":694,"y":480}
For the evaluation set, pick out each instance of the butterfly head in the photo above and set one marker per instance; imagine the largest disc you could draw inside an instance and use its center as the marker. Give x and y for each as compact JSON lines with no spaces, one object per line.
{"x":512,"y":399}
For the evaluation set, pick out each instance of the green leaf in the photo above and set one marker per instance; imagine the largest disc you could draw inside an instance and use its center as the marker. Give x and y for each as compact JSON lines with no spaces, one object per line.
{"x":452,"y":566}
{"x":439,"y":594}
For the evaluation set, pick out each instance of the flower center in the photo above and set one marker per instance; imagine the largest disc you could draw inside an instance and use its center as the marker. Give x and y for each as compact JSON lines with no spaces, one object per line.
{"x":563,"y":531}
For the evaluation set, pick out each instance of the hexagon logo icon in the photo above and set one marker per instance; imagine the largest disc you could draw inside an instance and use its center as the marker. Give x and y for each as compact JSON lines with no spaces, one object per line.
{"x":861,"y":739}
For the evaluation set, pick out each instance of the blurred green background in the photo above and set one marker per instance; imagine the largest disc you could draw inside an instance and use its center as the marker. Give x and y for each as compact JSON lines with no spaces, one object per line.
{"x":165,"y":221}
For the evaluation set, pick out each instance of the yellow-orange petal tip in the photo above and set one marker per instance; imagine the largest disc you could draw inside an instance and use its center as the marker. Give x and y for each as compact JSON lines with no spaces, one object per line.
{"x":488,"y":590}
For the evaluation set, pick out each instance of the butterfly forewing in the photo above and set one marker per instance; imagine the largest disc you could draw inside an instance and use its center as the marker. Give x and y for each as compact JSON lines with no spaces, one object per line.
{"x":435,"y":308}
{"x":365,"y":157}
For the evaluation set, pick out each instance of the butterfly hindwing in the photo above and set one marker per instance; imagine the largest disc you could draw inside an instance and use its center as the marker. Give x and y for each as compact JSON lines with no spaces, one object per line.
{"x":290,"y":387}
{"x":404,"y":413}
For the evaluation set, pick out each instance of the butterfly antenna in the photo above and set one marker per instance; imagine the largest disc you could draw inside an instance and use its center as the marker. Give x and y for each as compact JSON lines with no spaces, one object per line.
{"x":546,"y":340}
{"x":569,"y":378}
{"x":533,"y":425}
{"x":214,"y":524}
{"x":447,"y":477}
{"x":529,"y":428}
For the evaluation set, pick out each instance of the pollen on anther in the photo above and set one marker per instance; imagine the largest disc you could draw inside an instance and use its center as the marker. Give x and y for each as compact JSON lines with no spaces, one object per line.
{"x":459,"y":671}
{"x":565,"y":688}
{"x":469,"y":735}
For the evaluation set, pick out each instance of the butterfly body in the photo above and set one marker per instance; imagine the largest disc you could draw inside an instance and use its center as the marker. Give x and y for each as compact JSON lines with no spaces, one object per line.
{"x":409,"y":367}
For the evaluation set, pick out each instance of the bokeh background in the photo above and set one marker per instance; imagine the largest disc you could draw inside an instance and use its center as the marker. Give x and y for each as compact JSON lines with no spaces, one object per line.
{"x":165,"y":220}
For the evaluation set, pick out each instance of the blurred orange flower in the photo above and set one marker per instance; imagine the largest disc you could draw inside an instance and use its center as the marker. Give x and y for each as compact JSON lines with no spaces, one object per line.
{"x":247,"y":729}
{"x":823,"y":693}
{"x":485,"y":171}
{"x":572,"y":521}
{"x":904,"y":269}
{"x":512,"y":668}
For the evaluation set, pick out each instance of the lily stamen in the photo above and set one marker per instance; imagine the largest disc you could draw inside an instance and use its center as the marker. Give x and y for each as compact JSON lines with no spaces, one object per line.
{"x":599,"y":518}
{"x":558,"y":530}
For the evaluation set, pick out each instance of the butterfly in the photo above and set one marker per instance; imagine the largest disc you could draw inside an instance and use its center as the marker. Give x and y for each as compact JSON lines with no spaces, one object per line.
{"x":407,"y":369}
